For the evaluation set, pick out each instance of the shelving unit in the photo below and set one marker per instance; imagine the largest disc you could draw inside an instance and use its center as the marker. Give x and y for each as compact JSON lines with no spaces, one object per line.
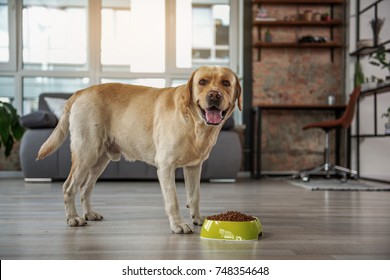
{"x":311,"y":2}
{"x":334,"y":22}
{"x":368,"y":50}
{"x":380,"y":89}
{"x":297,"y":45}
{"x":297,"y":23}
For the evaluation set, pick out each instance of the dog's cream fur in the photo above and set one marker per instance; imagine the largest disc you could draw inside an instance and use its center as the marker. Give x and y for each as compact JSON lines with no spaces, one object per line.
{"x":167,"y":128}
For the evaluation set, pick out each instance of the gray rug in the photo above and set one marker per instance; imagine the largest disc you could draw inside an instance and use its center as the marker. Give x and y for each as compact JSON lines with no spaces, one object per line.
{"x":336,"y":185}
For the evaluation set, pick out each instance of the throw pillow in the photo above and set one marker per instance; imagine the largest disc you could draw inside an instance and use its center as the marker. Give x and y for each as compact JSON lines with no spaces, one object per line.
{"x":38,"y":119}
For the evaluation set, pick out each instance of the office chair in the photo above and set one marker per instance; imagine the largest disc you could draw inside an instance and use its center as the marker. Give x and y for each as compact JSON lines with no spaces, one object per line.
{"x":343,"y":122}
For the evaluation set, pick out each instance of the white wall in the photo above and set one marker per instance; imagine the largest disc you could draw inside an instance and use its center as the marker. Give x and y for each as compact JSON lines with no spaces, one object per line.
{"x":374,"y":152}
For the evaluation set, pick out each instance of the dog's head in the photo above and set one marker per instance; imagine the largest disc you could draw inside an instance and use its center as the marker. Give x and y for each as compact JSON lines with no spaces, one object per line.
{"x":212,"y":93}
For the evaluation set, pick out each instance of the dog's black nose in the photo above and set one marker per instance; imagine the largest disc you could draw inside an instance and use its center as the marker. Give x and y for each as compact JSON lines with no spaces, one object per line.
{"x":214,"y":95}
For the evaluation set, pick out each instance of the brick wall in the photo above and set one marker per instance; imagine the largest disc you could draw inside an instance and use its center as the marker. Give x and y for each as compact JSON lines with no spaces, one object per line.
{"x":295,"y":76}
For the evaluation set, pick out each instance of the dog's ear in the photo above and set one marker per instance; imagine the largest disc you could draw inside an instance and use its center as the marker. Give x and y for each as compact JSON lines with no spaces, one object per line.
{"x":238,"y":91}
{"x":187,"y":93}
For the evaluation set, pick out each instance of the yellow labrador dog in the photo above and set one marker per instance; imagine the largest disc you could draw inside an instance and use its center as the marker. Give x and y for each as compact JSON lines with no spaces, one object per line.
{"x":167,"y":128}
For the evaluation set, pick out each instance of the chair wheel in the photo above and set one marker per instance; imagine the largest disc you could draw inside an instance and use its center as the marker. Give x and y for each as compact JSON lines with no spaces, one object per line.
{"x":344,"y":179}
{"x":305,"y":178}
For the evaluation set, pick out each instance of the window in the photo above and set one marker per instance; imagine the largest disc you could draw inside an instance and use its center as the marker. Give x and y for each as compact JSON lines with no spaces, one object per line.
{"x":33,"y":87}
{"x":55,"y":35}
{"x":7,"y":36}
{"x":133,"y":36}
{"x":202,"y":30}
{"x":4,"y":32}
{"x":159,"y":83}
{"x":66,"y":45}
{"x":7,"y":86}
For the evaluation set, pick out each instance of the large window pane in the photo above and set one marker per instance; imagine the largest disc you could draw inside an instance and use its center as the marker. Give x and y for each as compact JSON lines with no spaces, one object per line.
{"x":55,"y":34}
{"x":33,"y":87}
{"x":159,"y":83}
{"x":4,"y":33}
{"x":178,"y":82}
{"x":202,"y":32}
{"x":133,"y":36}
{"x":7,"y":89}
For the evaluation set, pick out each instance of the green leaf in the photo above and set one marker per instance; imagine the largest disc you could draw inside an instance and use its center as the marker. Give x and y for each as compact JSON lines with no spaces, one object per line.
{"x":8,"y":146}
{"x":359,"y":76}
{"x":10,"y":128}
{"x":11,"y":110}
{"x":5,"y":123}
{"x":17,"y":130}
{"x":374,"y":63}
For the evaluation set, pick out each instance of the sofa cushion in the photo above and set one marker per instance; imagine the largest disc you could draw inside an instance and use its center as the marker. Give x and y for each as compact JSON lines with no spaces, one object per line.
{"x":39,"y":119}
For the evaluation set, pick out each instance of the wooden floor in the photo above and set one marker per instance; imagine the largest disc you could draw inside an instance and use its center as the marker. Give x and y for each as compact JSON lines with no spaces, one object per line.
{"x":297,"y":223}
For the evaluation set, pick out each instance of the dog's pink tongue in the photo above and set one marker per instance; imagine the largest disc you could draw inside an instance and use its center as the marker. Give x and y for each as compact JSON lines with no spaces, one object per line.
{"x":213,"y":116}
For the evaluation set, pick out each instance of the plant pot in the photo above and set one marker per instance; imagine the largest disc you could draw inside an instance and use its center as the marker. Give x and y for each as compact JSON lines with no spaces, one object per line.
{"x":387,"y":128}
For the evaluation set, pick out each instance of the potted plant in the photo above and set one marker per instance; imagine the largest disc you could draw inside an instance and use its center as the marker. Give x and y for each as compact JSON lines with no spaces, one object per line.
{"x":378,"y":58}
{"x":376,"y":25}
{"x":10,"y":129}
{"x":387,"y":124}
{"x":325,"y":17}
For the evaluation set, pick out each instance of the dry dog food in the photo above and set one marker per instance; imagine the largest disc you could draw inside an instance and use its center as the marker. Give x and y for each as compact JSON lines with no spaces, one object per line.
{"x":231,"y":216}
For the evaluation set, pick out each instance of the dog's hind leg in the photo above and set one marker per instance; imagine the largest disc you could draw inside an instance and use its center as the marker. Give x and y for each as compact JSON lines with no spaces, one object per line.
{"x":86,"y":190}
{"x":76,"y":178}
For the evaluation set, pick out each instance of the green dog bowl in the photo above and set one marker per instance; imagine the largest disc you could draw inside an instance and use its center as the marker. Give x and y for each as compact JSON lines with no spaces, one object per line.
{"x":235,"y":231}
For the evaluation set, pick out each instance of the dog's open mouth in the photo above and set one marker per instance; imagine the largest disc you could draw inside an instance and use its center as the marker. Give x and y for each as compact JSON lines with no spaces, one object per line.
{"x":213,"y":115}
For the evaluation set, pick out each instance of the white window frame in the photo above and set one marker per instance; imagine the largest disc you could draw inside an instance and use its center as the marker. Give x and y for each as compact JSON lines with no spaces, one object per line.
{"x":235,"y":48}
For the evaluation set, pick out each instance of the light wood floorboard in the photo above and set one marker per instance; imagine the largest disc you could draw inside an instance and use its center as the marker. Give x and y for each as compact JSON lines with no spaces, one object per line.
{"x":298,"y":223}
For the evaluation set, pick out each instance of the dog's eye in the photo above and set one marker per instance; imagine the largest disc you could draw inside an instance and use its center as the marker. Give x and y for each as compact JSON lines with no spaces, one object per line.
{"x":226,"y":83}
{"x":203,"y":82}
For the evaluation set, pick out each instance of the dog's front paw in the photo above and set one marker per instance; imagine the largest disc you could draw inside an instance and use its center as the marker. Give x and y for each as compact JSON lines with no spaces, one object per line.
{"x":197,"y":220}
{"x":181,"y":228}
{"x":76,"y":222}
{"x":93,"y":216}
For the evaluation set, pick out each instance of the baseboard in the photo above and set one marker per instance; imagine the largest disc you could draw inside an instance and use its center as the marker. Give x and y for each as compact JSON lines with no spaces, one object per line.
{"x":11,"y":174}
{"x":222,"y":180}
{"x":37,"y":180}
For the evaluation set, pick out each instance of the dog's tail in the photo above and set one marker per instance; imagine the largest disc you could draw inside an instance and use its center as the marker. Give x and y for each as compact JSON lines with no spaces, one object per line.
{"x":59,"y":134}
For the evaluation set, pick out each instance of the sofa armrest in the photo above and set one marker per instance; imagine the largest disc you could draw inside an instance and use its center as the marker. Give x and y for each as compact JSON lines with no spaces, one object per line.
{"x":29,"y":147}
{"x":225,"y":157}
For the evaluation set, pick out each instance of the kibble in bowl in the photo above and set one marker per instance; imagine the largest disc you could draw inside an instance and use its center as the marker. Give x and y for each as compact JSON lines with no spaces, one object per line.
{"x":232,"y":225}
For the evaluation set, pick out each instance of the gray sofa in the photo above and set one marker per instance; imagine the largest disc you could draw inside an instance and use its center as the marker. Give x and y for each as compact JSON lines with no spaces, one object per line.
{"x":223,"y":164}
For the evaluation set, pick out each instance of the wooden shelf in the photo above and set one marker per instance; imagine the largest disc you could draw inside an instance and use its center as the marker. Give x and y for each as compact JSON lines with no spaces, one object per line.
{"x":379,"y":89}
{"x":294,"y":2}
{"x":369,"y":50}
{"x":331,"y":25}
{"x":300,"y":106}
{"x":297,"y":45}
{"x":334,"y":22}
{"x":370,"y":135}
{"x":364,"y":51}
